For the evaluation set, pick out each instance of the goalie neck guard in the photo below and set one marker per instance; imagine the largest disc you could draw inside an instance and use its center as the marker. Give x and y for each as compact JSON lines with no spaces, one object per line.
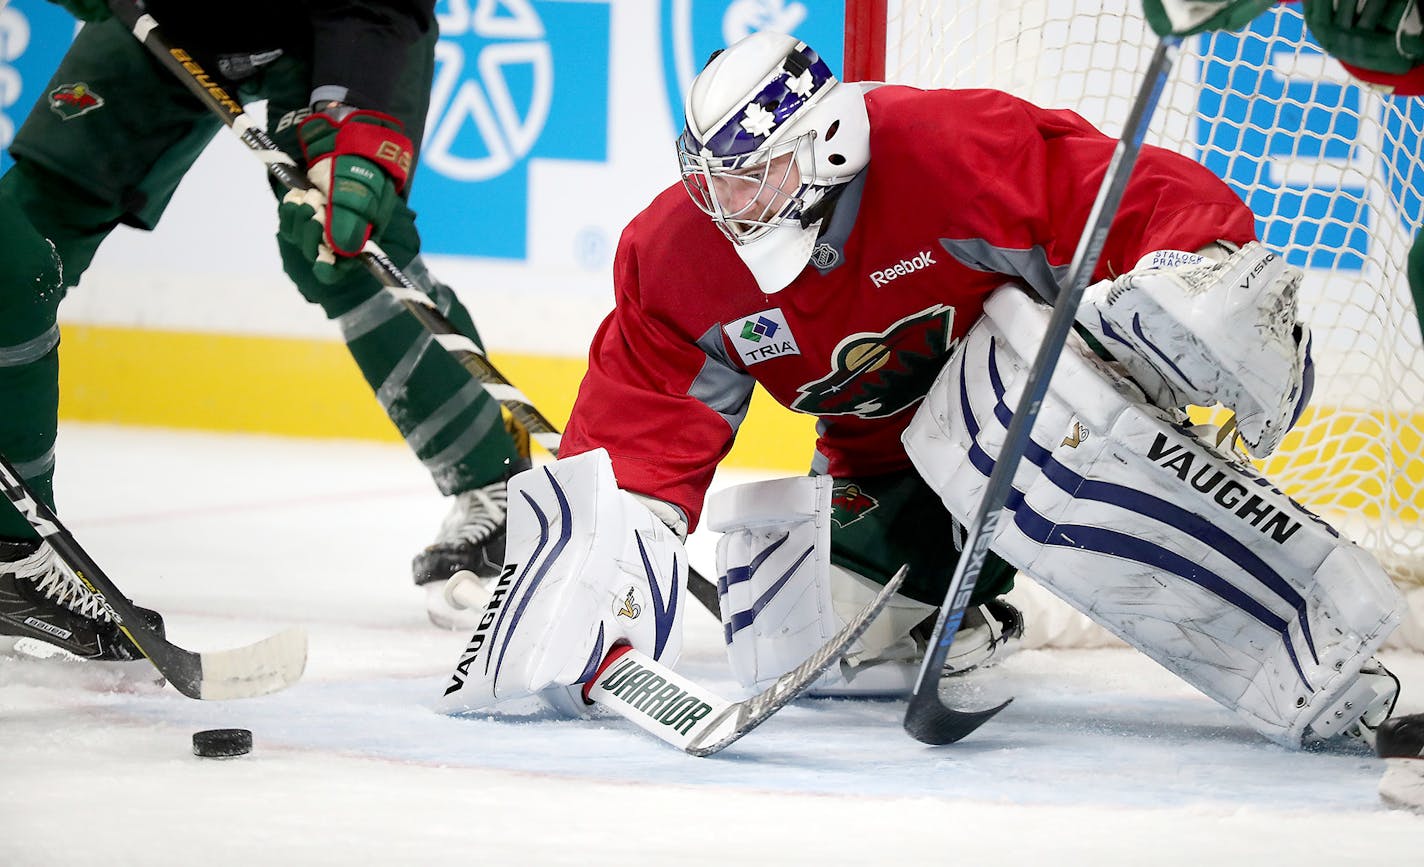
{"x":769,"y":132}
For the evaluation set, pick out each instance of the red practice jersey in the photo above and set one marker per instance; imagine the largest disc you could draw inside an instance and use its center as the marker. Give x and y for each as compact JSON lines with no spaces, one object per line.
{"x":965,"y":190}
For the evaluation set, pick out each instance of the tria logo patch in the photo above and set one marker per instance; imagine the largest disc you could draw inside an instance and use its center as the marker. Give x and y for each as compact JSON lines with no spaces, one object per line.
{"x":762,"y":337}
{"x":71,"y":100}
{"x":875,"y":375}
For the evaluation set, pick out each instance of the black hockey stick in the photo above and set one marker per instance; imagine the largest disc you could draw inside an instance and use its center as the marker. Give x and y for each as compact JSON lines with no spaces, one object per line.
{"x":210,"y":91}
{"x":928,"y":718}
{"x":243,"y":672}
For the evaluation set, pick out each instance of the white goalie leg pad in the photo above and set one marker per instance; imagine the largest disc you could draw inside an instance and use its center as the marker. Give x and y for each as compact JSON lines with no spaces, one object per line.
{"x":587,"y":566}
{"x":1192,"y":330}
{"x":782,"y":598}
{"x":1185,"y":553}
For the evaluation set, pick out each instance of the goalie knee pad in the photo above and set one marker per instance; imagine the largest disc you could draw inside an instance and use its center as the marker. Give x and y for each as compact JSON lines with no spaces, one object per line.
{"x":782,"y":598}
{"x":1191,"y":330}
{"x":1182,"y":551}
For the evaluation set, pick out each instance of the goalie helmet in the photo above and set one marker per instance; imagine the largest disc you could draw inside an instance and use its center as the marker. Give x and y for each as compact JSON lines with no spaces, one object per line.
{"x":770,"y":131}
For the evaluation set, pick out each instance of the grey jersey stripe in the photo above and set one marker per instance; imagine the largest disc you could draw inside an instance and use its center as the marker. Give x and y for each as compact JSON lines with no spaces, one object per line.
{"x":1031,"y":265}
{"x":724,"y":387}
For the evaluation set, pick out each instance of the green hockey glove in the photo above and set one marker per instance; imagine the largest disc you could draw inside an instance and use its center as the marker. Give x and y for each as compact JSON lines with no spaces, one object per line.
{"x":1381,"y":35}
{"x":359,"y":165}
{"x":1186,"y":17}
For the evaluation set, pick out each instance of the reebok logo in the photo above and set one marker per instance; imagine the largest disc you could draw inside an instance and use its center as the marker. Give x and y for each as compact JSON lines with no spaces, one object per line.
{"x":901,"y":268}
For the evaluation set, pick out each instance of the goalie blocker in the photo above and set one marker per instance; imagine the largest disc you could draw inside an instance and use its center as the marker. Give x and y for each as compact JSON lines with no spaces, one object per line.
{"x":1184,"y":552}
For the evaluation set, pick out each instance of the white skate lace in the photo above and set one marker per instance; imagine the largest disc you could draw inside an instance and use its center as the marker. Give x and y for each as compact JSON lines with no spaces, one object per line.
{"x":52,"y":578}
{"x":475,"y":515}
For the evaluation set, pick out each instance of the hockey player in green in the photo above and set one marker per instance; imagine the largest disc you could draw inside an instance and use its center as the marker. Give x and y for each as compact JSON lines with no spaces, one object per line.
{"x":347,"y":86}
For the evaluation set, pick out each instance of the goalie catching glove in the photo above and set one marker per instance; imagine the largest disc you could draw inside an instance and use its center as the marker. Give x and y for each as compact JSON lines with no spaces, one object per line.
{"x":358,"y":164}
{"x":1193,"y":331}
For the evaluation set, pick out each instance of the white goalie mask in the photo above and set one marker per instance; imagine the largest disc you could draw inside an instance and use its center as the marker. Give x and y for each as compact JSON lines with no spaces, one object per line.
{"x":769,"y":132}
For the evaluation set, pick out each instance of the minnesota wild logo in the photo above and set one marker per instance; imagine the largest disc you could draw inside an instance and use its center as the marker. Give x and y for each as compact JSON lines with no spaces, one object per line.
{"x":877,"y":375}
{"x":850,"y":503}
{"x":71,"y":100}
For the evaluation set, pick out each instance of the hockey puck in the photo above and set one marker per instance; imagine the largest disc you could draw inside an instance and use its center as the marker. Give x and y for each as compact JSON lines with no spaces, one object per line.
{"x":222,"y":743}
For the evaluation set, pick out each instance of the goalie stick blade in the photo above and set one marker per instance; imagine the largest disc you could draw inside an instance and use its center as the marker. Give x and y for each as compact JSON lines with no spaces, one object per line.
{"x":676,"y":710}
{"x":747,"y":715}
{"x":932,"y":723}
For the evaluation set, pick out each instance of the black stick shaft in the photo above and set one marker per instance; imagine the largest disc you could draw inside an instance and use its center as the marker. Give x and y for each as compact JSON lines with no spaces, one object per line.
{"x":928,"y":719}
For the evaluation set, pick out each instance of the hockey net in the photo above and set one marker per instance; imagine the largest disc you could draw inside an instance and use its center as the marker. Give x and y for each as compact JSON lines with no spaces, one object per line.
{"x":1331,"y":169}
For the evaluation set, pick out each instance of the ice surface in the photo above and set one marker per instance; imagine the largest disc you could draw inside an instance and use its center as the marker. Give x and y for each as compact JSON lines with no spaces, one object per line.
{"x":1103,"y":758}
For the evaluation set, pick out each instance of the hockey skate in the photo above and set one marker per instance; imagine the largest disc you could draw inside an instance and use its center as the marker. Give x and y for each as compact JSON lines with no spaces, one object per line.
{"x":471,"y":539}
{"x":1400,"y":742}
{"x":989,"y":634}
{"x":46,"y":611}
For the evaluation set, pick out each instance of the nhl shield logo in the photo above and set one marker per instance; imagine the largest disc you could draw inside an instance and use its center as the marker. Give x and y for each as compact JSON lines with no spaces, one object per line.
{"x":72,"y":100}
{"x":825,"y":257}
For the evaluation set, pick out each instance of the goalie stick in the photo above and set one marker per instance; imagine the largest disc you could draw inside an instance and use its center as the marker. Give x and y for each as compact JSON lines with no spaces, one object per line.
{"x":243,"y":672}
{"x":928,"y":718}
{"x":209,"y":90}
{"x":684,"y":714}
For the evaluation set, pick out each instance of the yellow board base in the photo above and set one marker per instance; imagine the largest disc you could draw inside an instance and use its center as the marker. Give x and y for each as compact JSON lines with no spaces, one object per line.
{"x":312,"y":388}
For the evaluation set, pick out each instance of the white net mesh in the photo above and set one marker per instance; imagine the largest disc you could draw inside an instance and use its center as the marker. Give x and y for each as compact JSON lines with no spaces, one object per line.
{"x":1331,"y":169}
